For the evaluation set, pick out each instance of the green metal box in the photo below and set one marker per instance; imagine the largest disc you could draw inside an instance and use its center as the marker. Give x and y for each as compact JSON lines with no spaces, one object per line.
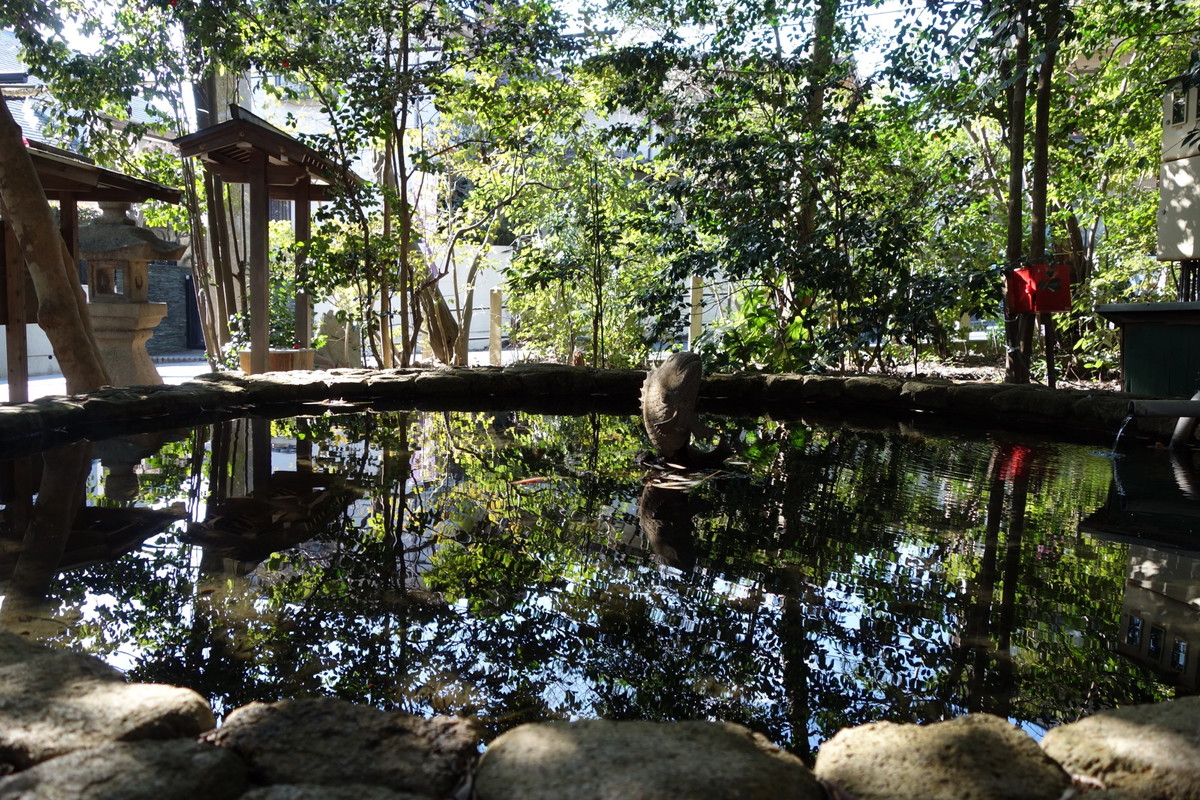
{"x":1160,"y":347}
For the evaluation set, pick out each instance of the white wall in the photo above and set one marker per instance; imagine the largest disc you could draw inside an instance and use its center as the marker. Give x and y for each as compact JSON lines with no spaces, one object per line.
{"x":41,"y":355}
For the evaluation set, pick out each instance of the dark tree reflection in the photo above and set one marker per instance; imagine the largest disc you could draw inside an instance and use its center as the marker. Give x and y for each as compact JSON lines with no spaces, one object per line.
{"x":524,"y":568}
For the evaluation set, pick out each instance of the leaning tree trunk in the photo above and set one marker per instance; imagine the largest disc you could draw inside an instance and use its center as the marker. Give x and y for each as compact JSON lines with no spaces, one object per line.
{"x":62,"y":308}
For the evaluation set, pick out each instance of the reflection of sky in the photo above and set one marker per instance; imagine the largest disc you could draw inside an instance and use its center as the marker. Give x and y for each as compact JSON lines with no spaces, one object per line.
{"x":609,"y":624}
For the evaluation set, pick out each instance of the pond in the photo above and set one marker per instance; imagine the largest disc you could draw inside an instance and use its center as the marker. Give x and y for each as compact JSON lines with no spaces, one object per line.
{"x":521,"y":568}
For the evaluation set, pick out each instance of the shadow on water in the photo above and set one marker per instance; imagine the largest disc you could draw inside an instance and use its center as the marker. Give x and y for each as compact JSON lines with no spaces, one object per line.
{"x":521,"y":567}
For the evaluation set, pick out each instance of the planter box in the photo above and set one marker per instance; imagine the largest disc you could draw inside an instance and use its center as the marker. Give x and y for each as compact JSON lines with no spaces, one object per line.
{"x":281,"y":360}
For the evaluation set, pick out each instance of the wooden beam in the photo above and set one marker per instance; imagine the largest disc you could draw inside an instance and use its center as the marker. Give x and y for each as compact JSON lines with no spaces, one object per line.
{"x":60,"y":184}
{"x":317,"y":193}
{"x":51,"y":169}
{"x":260,"y":268}
{"x":234,"y":170}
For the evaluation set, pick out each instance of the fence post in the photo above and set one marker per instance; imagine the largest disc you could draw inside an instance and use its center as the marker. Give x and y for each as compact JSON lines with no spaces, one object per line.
{"x":697,"y":318}
{"x":494,"y":329}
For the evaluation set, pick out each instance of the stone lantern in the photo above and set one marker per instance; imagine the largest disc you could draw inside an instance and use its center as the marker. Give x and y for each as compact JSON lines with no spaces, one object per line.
{"x":118,"y":255}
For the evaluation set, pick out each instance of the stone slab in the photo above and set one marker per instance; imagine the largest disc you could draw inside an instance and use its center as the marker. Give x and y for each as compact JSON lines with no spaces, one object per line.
{"x":181,"y":769}
{"x":332,"y":742}
{"x":53,"y":702}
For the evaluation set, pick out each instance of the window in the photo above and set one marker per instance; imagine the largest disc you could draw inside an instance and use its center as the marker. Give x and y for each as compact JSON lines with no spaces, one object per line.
{"x":1133,"y":634}
{"x":1179,"y":655}
{"x":1154,"y":650}
{"x":1179,"y":96}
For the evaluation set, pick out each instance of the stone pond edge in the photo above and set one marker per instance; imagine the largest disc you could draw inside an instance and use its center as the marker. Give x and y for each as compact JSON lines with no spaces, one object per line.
{"x":1092,"y":415}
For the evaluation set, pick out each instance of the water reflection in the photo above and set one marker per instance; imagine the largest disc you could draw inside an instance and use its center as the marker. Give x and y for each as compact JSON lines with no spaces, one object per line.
{"x":524,"y":568}
{"x":1154,"y":506}
{"x":47,"y":528}
{"x":666,"y":514}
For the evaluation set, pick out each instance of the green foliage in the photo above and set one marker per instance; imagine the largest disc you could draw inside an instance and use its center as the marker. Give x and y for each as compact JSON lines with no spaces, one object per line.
{"x":574,"y":280}
{"x":836,"y":217}
{"x":281,"y":330}
{"x":833,"y":222}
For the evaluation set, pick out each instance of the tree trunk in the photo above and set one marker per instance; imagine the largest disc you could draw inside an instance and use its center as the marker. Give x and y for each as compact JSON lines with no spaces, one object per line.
{"x":1018,"y":332}
{"x":443,"y":329}
{"x":1040,"y":179}
{"x":62,"y":308}
{"x":820,"y":65}
{"x":222,"y":294}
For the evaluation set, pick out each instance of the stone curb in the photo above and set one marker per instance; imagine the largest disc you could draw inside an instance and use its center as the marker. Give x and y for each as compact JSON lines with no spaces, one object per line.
{"x":332,"y":749}
{"x":556,"y":389}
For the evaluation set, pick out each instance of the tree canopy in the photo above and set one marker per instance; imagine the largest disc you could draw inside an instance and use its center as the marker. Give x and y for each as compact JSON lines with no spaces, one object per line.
{"x":846,"y":180}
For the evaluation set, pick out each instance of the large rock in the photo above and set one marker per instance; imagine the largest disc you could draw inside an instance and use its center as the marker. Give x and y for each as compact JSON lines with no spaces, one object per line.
{"x":332,"y":742}
{"x":1148,"y":751}
{"x":53,"y":702}
{"x":607,"y":760}
{"x":976,"y":757}
{"x":179,"y":770}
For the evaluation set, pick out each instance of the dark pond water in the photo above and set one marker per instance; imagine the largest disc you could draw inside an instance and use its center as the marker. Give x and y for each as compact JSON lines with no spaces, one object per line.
{"x":523,"y":568}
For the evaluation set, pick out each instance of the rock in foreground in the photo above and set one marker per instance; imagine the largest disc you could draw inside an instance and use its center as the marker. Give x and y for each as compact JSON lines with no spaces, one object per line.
{"x":607,"y":760}
{"x":1147,"y":751}
{"x":180,"y":770}
{"x":53,"y":702}
{"x":976,"y":757}
{"x":333,"y":742}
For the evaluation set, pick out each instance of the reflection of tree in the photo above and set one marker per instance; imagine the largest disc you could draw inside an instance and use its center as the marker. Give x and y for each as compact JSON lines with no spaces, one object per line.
{"x":493,"y":569}
{"x":57,"y":531}
{"x":984,"y":639}
{"x":47,"y":530}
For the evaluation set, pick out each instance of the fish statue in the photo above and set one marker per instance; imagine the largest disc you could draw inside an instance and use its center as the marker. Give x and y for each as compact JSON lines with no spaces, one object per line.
{"x":669,"y":397}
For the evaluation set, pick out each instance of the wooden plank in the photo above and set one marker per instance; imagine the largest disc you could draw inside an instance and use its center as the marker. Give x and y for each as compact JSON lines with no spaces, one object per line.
{"x":6,"y":241}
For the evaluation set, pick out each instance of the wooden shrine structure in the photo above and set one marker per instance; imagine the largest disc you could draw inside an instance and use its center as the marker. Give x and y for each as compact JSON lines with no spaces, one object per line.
{"x":69,"y":179}
{"x":247,"y":150}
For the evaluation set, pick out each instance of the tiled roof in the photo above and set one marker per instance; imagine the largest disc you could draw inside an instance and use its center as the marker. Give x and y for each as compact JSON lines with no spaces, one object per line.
{"x":24,"y":112}
{"x":9,"y":48}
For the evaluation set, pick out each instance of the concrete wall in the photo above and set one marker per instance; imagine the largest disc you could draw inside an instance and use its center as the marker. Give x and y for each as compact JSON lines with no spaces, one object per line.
{"x":41,"y":356}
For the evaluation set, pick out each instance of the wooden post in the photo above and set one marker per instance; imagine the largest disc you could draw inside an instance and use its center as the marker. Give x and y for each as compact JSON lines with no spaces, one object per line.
{"x":14,"y":319}
{"x":260,"y":457}
{"x":1048,"y":333}
{"x":1187,"y":281}
{"x":494,"y":344}
{"x":696,"y":326}
{"x":68,"y":225}
{"x":259,"y":263}
{"x":303,"y":231}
